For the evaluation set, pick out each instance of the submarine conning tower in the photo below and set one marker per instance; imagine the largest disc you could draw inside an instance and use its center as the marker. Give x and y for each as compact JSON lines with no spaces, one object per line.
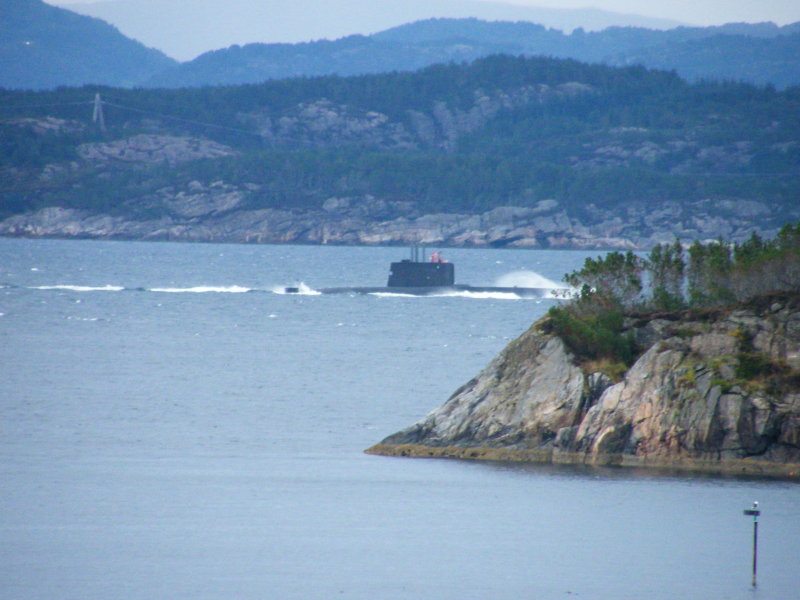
{"x":416,"y":273}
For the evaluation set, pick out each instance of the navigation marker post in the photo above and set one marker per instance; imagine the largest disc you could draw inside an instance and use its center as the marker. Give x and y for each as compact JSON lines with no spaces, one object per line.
{"x":754,"y":512}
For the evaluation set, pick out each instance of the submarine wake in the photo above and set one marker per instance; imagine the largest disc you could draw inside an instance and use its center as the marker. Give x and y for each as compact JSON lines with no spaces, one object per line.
{"x":455,"y":294}
{"x":80,"y":288}
{"x":203,"y":289}
{"x":301,"y":289}
{"x":526,"y":279}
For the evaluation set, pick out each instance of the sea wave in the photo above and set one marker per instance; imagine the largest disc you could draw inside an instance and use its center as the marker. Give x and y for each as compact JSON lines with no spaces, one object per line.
{"x":394,"y":295}
{"x":459,"y":294}
{"x":302,"y":290}
{"x":490,"y":296}
{"x":526,"y":279}
{"x":203,"y":289}
{"x":80,"y":288}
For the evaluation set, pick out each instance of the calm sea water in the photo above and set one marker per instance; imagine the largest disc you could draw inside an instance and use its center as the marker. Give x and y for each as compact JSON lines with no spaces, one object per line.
{"x":171,"y":428}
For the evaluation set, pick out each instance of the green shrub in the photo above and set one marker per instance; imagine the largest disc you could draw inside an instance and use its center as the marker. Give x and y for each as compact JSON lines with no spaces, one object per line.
{"x":752,"y":365}
{"x":593,"y":336}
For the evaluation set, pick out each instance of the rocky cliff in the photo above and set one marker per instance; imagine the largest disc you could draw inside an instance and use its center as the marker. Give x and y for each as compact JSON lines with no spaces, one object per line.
{"x":716,"y":390}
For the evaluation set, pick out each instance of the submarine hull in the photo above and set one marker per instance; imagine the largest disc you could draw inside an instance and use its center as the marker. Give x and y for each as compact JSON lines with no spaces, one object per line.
{"x":439,"y":290}
{"x":412,"y":277}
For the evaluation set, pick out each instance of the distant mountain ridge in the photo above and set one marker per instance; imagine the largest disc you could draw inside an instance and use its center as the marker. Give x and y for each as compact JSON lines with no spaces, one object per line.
{"x":184,"y":29}
{"x":43,"y":46}
{"x":46,"y":47}
{"x":760,"y":53}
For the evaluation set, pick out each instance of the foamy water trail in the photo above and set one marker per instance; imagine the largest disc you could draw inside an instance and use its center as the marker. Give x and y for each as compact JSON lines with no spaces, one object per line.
{"x":457,"y":294}
{"x":203,"y":289}
{"x":490,"y":296}
{"x":526,"y":279}
{"x":302,"y":290}
{"x":550,"y":290}
{"x":80,"y":288}
{"x":393,"y":295}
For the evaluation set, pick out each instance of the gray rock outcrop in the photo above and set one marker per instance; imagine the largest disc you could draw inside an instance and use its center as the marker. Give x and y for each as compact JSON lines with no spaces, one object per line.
{"x":688,"y":402}
{"x":221,"y":212}
{"x":150,"y":148}
{"x":323,"y":122}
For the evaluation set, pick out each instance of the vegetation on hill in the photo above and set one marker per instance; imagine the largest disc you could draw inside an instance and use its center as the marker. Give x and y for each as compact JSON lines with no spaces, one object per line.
{"x":44,"y":46}
{"x":725,"y":57}
{"x":709,"y":275}
{"x":595,"y":141}
{"x":759,"y":53}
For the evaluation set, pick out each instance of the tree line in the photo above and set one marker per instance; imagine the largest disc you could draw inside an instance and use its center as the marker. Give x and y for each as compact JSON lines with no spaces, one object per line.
{"x":669,"y":278}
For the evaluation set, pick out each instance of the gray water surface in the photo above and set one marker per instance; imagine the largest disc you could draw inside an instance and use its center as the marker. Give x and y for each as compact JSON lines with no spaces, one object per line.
{"x":172,"y":428}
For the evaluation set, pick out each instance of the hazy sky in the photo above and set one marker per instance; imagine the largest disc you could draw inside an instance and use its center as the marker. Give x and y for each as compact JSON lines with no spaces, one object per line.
{"x":695,"y":12}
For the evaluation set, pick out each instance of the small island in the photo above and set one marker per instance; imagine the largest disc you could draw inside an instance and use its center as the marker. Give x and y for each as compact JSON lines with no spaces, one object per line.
{"x":688,"y":363}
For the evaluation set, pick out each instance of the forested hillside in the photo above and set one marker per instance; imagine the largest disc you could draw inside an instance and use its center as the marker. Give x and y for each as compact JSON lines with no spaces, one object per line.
{"x":583,"y":155}
{"x":208,"y":24}
{"x":758,"y":53}
{"x":43,"y":46}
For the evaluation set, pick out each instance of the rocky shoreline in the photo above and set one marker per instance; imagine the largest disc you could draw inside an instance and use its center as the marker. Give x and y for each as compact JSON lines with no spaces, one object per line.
{"x":219,"y":212}
{"x":683,"y":405}
{"x":747,"y":466}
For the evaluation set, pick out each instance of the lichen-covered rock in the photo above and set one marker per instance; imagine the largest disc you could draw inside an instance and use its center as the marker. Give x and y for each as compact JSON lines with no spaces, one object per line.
{"x":149,"y":148}
{"x":684,"y":403}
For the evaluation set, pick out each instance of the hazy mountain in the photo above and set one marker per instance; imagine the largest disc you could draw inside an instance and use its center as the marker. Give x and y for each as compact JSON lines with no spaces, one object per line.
{"x":43,"y":46}
{"x":758,"y":53}
{"x":186,"y":28}
{"x":773,"y":61}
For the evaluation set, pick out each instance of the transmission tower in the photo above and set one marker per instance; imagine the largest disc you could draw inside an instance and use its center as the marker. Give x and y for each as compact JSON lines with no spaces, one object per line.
{"x":97,"y":116}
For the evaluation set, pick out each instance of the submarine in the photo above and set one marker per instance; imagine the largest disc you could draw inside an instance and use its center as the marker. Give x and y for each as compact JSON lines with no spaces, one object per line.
{"x":418,"y":277}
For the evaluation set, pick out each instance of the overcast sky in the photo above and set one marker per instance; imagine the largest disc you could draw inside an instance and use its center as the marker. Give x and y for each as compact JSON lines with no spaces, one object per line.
{"x":695,"y":12}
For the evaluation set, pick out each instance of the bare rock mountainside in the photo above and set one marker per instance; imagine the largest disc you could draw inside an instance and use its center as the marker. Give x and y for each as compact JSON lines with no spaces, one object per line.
{"x":713,"y":390}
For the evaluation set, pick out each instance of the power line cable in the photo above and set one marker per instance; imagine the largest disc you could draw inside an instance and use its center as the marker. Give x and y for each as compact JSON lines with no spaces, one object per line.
{"x":23,"y":106}
{"x":133,"y":109}
{"x":190,"y":121}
